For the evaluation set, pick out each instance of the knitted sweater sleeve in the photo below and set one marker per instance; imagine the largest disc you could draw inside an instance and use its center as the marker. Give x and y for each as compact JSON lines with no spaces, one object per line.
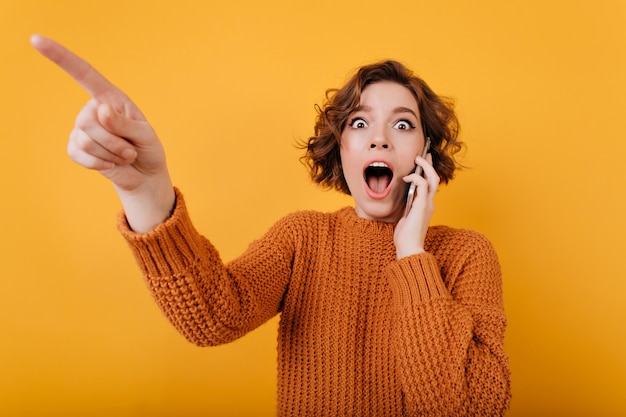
{"x":449,"y":332}
{"x":207,"y":301}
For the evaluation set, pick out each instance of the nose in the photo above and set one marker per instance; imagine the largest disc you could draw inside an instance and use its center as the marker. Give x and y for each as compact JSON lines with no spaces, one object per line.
{"x":379,"y":140}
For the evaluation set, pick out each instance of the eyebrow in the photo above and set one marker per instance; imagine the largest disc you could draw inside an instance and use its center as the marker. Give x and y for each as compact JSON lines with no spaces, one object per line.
{"x":400,"y":109}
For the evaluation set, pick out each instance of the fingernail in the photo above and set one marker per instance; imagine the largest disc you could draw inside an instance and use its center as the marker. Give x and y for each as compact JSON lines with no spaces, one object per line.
{"x":129,"y":154}
{"x":106,"y":110}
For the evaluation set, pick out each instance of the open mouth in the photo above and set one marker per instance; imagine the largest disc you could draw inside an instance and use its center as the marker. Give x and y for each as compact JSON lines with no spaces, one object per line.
{"x":378,"y":176}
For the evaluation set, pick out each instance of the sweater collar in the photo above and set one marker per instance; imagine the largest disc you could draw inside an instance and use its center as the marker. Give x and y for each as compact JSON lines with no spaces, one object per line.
{"x":348,"y":216}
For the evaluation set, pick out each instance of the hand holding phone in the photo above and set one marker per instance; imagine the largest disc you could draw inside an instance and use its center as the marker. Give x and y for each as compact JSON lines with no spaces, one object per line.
{"x":412,"y":188}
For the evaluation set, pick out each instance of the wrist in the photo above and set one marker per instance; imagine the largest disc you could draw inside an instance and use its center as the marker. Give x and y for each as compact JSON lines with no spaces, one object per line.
{"x":149,"y":205}
{"x":403,"y":253}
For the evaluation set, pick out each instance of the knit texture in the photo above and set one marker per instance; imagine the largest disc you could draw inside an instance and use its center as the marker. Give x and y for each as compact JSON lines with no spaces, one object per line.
{"x":361,"y":333}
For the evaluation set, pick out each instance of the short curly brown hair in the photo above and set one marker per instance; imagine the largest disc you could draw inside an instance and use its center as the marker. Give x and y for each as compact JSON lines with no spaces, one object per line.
{"x":439,"y":120}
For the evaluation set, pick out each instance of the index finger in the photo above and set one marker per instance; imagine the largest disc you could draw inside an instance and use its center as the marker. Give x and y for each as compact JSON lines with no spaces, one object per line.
{"x":87,"y":76}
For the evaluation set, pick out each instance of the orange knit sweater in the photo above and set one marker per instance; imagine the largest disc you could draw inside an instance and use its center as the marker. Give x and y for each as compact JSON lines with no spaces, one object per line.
{"x":361,"y":333}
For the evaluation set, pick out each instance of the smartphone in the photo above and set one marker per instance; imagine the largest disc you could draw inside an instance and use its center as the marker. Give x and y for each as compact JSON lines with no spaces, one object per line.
{"x":418,"y":170}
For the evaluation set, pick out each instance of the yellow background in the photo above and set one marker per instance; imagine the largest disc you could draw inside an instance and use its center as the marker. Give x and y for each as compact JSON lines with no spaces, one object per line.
{"x":230,"y":87}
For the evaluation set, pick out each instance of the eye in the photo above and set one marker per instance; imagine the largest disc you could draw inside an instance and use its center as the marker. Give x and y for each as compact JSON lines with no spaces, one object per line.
{"x":358,"y":123}
{"x":404,"y":125}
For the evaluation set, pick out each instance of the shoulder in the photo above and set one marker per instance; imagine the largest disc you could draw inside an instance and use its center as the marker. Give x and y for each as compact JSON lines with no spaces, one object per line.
{"x":466,"y":258}
{"x":441,"y":232}
{"x":306,"y":222}
{"x":304,"y":217}
{"x":459,"y":241}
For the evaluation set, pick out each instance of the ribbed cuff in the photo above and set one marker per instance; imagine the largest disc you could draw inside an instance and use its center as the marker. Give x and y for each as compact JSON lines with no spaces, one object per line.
{"x":167,"y":249}
{"x":416,"y":279}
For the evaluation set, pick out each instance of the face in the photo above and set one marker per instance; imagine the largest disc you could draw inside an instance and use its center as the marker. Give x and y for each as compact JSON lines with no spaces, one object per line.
{"x":378,"y":147}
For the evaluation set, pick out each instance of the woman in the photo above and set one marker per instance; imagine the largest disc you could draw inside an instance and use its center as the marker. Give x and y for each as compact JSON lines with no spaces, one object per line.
{"x":380,"y":314}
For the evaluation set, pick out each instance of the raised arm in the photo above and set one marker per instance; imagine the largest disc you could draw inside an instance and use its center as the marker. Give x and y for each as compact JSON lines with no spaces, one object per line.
{"x":113,"y":137}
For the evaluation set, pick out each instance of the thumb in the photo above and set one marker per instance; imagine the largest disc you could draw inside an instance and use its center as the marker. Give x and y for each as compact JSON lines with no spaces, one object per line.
{"x":137,"y":132}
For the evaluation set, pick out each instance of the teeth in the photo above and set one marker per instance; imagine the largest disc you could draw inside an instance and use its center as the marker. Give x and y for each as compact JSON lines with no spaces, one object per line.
{"x":379,"y":165}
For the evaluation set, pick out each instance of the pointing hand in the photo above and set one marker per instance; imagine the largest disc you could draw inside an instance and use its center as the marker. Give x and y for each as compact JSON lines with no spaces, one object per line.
{"x":113,"y":137}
